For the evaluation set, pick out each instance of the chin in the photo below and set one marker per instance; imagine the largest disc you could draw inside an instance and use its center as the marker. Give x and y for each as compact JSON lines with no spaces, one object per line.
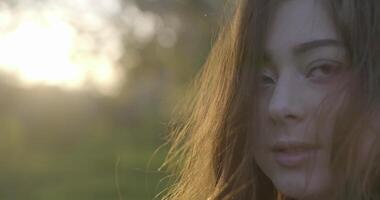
{"x":303,"y":188}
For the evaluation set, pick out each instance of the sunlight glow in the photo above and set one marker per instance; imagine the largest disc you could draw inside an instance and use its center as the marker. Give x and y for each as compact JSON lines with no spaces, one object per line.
{"x":44,"y":48}
{"x":41,"y":54}
{"x":78,"y":45}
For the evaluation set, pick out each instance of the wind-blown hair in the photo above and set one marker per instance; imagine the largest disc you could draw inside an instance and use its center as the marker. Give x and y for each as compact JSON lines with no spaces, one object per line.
{"x":211,"y":136}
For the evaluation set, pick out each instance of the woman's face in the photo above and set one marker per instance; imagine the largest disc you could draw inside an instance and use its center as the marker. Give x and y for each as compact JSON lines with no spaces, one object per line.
{"x":305,"y":63}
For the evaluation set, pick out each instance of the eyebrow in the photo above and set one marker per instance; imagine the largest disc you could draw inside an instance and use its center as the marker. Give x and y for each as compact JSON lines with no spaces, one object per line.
{"x":307,"y":46}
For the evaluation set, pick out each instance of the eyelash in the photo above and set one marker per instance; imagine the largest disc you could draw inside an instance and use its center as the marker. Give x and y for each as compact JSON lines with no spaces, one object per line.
{"x":267,"y":78}
{"x":332,"y":66}
{"x":332,"y":69}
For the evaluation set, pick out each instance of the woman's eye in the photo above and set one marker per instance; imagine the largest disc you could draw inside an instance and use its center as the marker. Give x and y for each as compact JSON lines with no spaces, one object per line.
{"x":323,"y":71}
{"x":266,"y":80}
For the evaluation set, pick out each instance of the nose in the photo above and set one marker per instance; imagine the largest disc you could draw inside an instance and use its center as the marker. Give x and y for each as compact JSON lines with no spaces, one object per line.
{"x":286,"y":105}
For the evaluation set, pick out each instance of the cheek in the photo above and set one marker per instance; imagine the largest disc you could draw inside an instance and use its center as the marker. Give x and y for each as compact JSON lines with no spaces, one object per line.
{"x":261,"y":141}
{"x":262,"y":135}
{"x":368,"y":145}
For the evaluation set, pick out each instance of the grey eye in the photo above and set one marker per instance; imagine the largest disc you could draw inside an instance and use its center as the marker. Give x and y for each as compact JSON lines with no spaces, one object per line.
{"x":323,"y":71}
{"x":267,"y":80}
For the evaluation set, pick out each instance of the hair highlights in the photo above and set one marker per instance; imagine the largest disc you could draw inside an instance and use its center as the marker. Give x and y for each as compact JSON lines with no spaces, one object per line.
{"x":211,"y":137}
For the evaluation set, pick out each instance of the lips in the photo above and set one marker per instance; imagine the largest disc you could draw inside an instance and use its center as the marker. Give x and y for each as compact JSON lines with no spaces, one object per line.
{"x":292,"y":154}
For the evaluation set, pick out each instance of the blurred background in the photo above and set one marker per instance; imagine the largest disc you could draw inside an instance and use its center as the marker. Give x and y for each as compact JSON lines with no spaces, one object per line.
{"x":87,"y":88}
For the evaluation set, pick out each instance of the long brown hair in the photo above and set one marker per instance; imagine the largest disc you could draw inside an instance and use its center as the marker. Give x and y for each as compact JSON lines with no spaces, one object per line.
{"x":211,"y":135}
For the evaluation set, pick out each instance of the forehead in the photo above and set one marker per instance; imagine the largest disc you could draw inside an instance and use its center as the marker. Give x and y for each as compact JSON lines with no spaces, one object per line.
{"x":298,"y":21}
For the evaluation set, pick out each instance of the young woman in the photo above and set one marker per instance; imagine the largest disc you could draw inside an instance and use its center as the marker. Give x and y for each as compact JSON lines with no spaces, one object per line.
{"x":286,"y":107}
